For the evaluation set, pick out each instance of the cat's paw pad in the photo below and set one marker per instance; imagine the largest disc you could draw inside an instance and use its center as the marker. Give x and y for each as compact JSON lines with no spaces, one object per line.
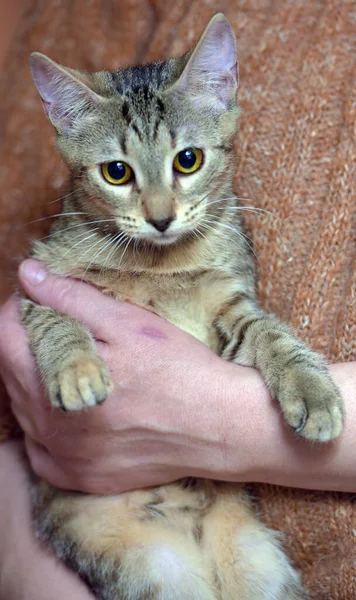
{"x":311,"y":403}
{"x":80,"y":384}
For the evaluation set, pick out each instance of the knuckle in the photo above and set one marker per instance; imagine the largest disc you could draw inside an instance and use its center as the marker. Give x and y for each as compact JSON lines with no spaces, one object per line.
{"x":61,"y":291}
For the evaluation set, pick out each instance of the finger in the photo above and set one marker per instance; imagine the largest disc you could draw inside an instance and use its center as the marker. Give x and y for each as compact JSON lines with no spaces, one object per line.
{"x":72,"y":297}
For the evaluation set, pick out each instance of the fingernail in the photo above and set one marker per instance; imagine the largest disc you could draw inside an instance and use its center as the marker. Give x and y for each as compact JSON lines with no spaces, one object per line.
{"x":33,"y":271}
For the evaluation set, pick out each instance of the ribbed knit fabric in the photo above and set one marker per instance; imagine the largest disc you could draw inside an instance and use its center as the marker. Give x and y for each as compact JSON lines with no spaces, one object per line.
{"x":296,"y":158}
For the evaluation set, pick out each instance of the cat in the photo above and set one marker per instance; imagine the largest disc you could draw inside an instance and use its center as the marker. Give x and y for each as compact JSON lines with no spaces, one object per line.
{"x":152,"y":219}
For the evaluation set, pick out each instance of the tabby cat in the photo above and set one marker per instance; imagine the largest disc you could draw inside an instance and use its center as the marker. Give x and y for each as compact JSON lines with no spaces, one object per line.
{"x":151,"y":219}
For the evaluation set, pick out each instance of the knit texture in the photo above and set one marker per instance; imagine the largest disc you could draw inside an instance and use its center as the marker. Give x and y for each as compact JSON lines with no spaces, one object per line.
{"x":296,"y":158}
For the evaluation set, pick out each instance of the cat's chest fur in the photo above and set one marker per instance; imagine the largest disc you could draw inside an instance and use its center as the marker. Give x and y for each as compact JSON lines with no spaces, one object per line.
{"x":191,"y":301}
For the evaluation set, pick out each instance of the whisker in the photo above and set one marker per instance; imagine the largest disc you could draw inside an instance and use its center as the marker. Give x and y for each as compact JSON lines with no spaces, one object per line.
{"x":77,"y":225}
{"x":124,"y":252}
{"x":195,"y":233}
{"x":251,"y":209}
{"x":102,"y":240}
{"x":234,"y":230}
{"x":81,"y":256}
{"x":77,"y":244}
{"x":201,"y":234}
{"x":62,"y":197}
{"x":227,"y":199}
{"x":116,"y":241}
{"x":57,"y":215}
{"x":83,"y":233}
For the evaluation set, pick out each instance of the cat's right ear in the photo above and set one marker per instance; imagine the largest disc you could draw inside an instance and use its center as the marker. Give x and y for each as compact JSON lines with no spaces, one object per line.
{"x":66,"y":94}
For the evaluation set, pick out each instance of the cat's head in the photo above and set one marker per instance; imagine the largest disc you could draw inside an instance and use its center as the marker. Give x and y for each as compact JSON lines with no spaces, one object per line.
{"x":149,"y":146}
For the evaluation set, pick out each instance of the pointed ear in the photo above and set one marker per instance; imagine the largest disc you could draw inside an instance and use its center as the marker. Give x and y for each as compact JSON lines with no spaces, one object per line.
{"x":66,"y":94}
{"x":211,"y":73}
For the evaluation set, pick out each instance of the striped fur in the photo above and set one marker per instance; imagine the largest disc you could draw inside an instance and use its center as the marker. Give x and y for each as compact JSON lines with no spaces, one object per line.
{"x":185,"y":540}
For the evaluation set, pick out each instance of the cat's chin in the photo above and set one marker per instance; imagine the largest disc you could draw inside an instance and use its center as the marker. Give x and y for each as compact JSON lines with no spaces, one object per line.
{"x":164,"y":240}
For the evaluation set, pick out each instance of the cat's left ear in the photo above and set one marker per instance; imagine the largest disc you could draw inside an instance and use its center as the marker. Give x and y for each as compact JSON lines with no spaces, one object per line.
{"x":211,"y":73}
{"x":67,"y":95}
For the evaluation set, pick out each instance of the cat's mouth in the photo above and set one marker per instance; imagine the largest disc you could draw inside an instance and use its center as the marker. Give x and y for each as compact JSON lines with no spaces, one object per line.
{"x":162,"y":234}
{"x":164,"y":239}
{"x":167,"y":236}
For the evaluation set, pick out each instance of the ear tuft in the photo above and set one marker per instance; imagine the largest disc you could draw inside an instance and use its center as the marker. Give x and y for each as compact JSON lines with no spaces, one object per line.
{"x":211,"y":73}
{"x":65,"y":93}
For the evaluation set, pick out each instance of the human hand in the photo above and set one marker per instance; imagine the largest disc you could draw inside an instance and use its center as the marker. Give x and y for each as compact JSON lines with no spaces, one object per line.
{"x":161,"y":422}
{"x":27,"y":571}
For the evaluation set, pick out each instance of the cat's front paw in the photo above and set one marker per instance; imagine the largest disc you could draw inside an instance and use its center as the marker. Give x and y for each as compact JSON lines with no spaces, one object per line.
{"x":82,"y":383}
{"x":311,"y":403}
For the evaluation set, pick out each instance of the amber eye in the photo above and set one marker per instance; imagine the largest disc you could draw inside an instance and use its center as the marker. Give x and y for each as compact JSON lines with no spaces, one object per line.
{"x":188,"y":161}
{"x":117,"y":172}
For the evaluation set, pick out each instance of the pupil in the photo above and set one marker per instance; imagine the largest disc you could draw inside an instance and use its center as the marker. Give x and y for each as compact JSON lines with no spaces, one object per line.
{"x":187,"y":159}
{"x":117,"y":170}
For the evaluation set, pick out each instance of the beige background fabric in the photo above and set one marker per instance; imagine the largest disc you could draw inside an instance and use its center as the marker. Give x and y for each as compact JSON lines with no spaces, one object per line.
{"x":296,"y":158}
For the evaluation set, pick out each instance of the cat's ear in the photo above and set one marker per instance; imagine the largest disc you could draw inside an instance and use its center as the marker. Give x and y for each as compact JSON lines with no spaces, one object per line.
{"x":211,"y":73}
{"x":66,"y":94}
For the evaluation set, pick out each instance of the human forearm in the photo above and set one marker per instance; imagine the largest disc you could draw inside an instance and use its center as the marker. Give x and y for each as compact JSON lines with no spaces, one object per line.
{"x":27,"y":571}
{"x":272,"y":453}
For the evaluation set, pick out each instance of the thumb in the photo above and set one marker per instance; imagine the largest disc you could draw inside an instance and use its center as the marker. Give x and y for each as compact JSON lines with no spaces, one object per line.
{"x":98,"y":312}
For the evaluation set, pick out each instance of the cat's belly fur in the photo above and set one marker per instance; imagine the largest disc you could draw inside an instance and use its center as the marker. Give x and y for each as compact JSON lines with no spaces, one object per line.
{"x":190,"y":302}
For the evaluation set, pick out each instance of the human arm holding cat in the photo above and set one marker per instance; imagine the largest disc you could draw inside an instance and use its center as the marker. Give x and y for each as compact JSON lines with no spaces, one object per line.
{"x":27,"y":570}
{"x":176,"y":410}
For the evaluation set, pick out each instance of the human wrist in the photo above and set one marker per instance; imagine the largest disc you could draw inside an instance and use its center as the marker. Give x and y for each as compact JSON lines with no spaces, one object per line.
{"x":230,"y":420}
{"x":273,"y":453}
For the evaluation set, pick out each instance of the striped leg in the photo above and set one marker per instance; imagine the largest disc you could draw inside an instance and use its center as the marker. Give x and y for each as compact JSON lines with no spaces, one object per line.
{"x":74,"y":376}
{"x":296,"y":376}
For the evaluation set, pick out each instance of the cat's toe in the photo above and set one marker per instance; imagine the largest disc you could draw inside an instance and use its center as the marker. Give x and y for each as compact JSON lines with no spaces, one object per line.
{"x":312,"y":404}
{"x":323,"y":425}
{"x":81,"y":384}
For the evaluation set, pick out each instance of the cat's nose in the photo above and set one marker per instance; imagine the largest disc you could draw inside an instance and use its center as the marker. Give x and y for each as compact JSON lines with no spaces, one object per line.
{"x":162,"y":224}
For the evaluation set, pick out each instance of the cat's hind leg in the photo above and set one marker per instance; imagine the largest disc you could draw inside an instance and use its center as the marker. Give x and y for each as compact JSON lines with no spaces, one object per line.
{"x":248,"y":560}
{"x":124,"y":547}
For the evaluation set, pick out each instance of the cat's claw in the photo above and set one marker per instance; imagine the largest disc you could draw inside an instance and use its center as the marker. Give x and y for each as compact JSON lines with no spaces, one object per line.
{"x":83,"y":383}
{"x":311,"y":403}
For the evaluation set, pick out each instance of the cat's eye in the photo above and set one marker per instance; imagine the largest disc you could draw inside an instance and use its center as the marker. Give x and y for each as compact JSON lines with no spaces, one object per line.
{"x":116,"y":172}
{"x":188,"y":161}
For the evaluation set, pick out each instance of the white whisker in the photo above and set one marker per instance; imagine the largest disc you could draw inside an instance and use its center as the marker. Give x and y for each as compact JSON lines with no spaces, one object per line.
{"x":126,"y":247}
{"x":57,"y":215}
{"x":227,"y":199}
{"x":201,"y":234}
{"x":62,"y":197}
{"x":78,"y":243}
{"x":120,"y":237}
{"x":102,"y":240}
{"x":77,"y":225}
{"x":234,"y":230}
{"x":249,"y":208}
{"x":81,"y":256}
{"x":83,"y":233}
